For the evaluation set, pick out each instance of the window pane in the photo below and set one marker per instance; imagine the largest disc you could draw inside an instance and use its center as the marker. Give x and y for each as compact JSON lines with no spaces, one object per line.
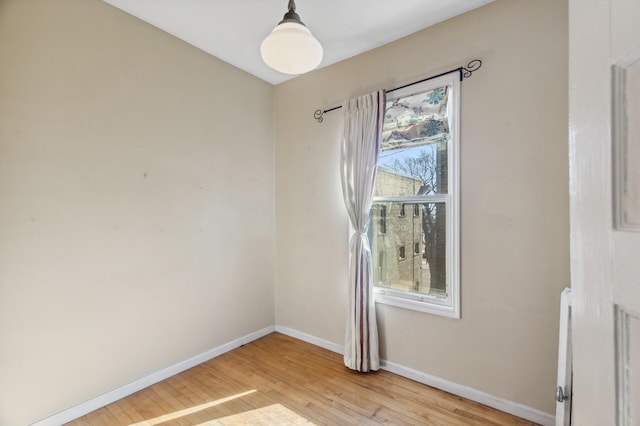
{"x":421,"y":270}
{"x":418,"y":170}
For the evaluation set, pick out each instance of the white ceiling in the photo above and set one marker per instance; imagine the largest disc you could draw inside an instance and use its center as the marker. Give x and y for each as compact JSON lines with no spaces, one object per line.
{"x":232,"y":30}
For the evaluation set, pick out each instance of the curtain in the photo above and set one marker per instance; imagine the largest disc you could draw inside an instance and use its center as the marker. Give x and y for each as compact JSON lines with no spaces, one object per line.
{"x":363,"y":120}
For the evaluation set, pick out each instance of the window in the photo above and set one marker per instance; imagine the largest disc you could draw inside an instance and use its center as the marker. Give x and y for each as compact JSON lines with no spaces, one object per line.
{"x":418,"y":168}
{"x":382,"y":209}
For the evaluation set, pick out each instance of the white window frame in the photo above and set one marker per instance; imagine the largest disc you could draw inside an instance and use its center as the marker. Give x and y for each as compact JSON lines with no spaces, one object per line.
{"x":449,"y":307}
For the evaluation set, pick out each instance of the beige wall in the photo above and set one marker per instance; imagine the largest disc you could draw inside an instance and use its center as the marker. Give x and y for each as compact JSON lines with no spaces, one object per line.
{"x":514,"y":200}
{"x":136,"y":203}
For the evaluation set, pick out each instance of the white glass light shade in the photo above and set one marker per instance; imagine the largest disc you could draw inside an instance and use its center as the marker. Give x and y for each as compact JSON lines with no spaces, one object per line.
{"x":291,"y":49}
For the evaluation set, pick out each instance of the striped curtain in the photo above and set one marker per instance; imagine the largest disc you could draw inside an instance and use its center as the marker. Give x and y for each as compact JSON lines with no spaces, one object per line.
{"x":363,"y":120}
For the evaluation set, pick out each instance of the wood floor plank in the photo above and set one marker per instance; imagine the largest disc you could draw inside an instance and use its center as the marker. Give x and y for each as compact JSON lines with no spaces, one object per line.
{"x":281,"y":380}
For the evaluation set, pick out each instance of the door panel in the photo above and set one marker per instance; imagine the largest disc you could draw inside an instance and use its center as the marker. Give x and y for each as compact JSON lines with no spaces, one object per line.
{"x":628,"y":375}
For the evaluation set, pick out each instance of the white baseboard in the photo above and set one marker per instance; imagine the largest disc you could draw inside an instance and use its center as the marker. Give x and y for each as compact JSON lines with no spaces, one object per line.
{"x":86,"y":407}
{"x":467,"y":392}
{"x":333,"y":347}
{"x":126,"y":390}
{"x":472,"y":394}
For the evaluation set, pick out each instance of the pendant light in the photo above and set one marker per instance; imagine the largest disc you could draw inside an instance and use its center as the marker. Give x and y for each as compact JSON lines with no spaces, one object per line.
{"x":291,"y":48}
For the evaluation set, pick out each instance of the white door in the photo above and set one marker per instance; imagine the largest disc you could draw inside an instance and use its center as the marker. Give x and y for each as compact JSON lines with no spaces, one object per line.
{"x":604,"y":133}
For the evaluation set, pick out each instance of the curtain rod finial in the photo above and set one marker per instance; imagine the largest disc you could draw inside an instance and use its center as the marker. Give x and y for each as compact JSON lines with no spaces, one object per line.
{"x":471,"y":68}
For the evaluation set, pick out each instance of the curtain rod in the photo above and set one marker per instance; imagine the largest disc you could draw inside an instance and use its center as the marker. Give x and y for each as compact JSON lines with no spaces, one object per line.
{"x":465,"y":72}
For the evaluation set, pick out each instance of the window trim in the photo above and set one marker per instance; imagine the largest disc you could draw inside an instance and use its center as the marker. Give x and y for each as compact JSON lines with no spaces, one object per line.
{"x":449,"y":307}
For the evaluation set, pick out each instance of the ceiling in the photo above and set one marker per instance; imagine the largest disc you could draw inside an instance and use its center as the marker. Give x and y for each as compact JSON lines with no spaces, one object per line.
{"x":232,"y":30}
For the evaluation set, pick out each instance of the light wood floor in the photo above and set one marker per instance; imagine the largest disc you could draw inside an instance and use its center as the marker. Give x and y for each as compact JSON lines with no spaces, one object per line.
{"x":278,"y":380}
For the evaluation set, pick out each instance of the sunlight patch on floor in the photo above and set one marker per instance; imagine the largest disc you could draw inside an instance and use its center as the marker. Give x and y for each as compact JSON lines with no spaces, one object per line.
{"x":188,"y":411}
{"x":275,"y":414}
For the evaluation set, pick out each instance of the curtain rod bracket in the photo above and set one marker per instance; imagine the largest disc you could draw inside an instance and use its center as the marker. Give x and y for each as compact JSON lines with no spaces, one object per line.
{"x":465,"y":72}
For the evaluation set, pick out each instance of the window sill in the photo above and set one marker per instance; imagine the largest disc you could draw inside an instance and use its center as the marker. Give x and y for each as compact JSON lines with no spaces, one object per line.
{"x":425,"y":305}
